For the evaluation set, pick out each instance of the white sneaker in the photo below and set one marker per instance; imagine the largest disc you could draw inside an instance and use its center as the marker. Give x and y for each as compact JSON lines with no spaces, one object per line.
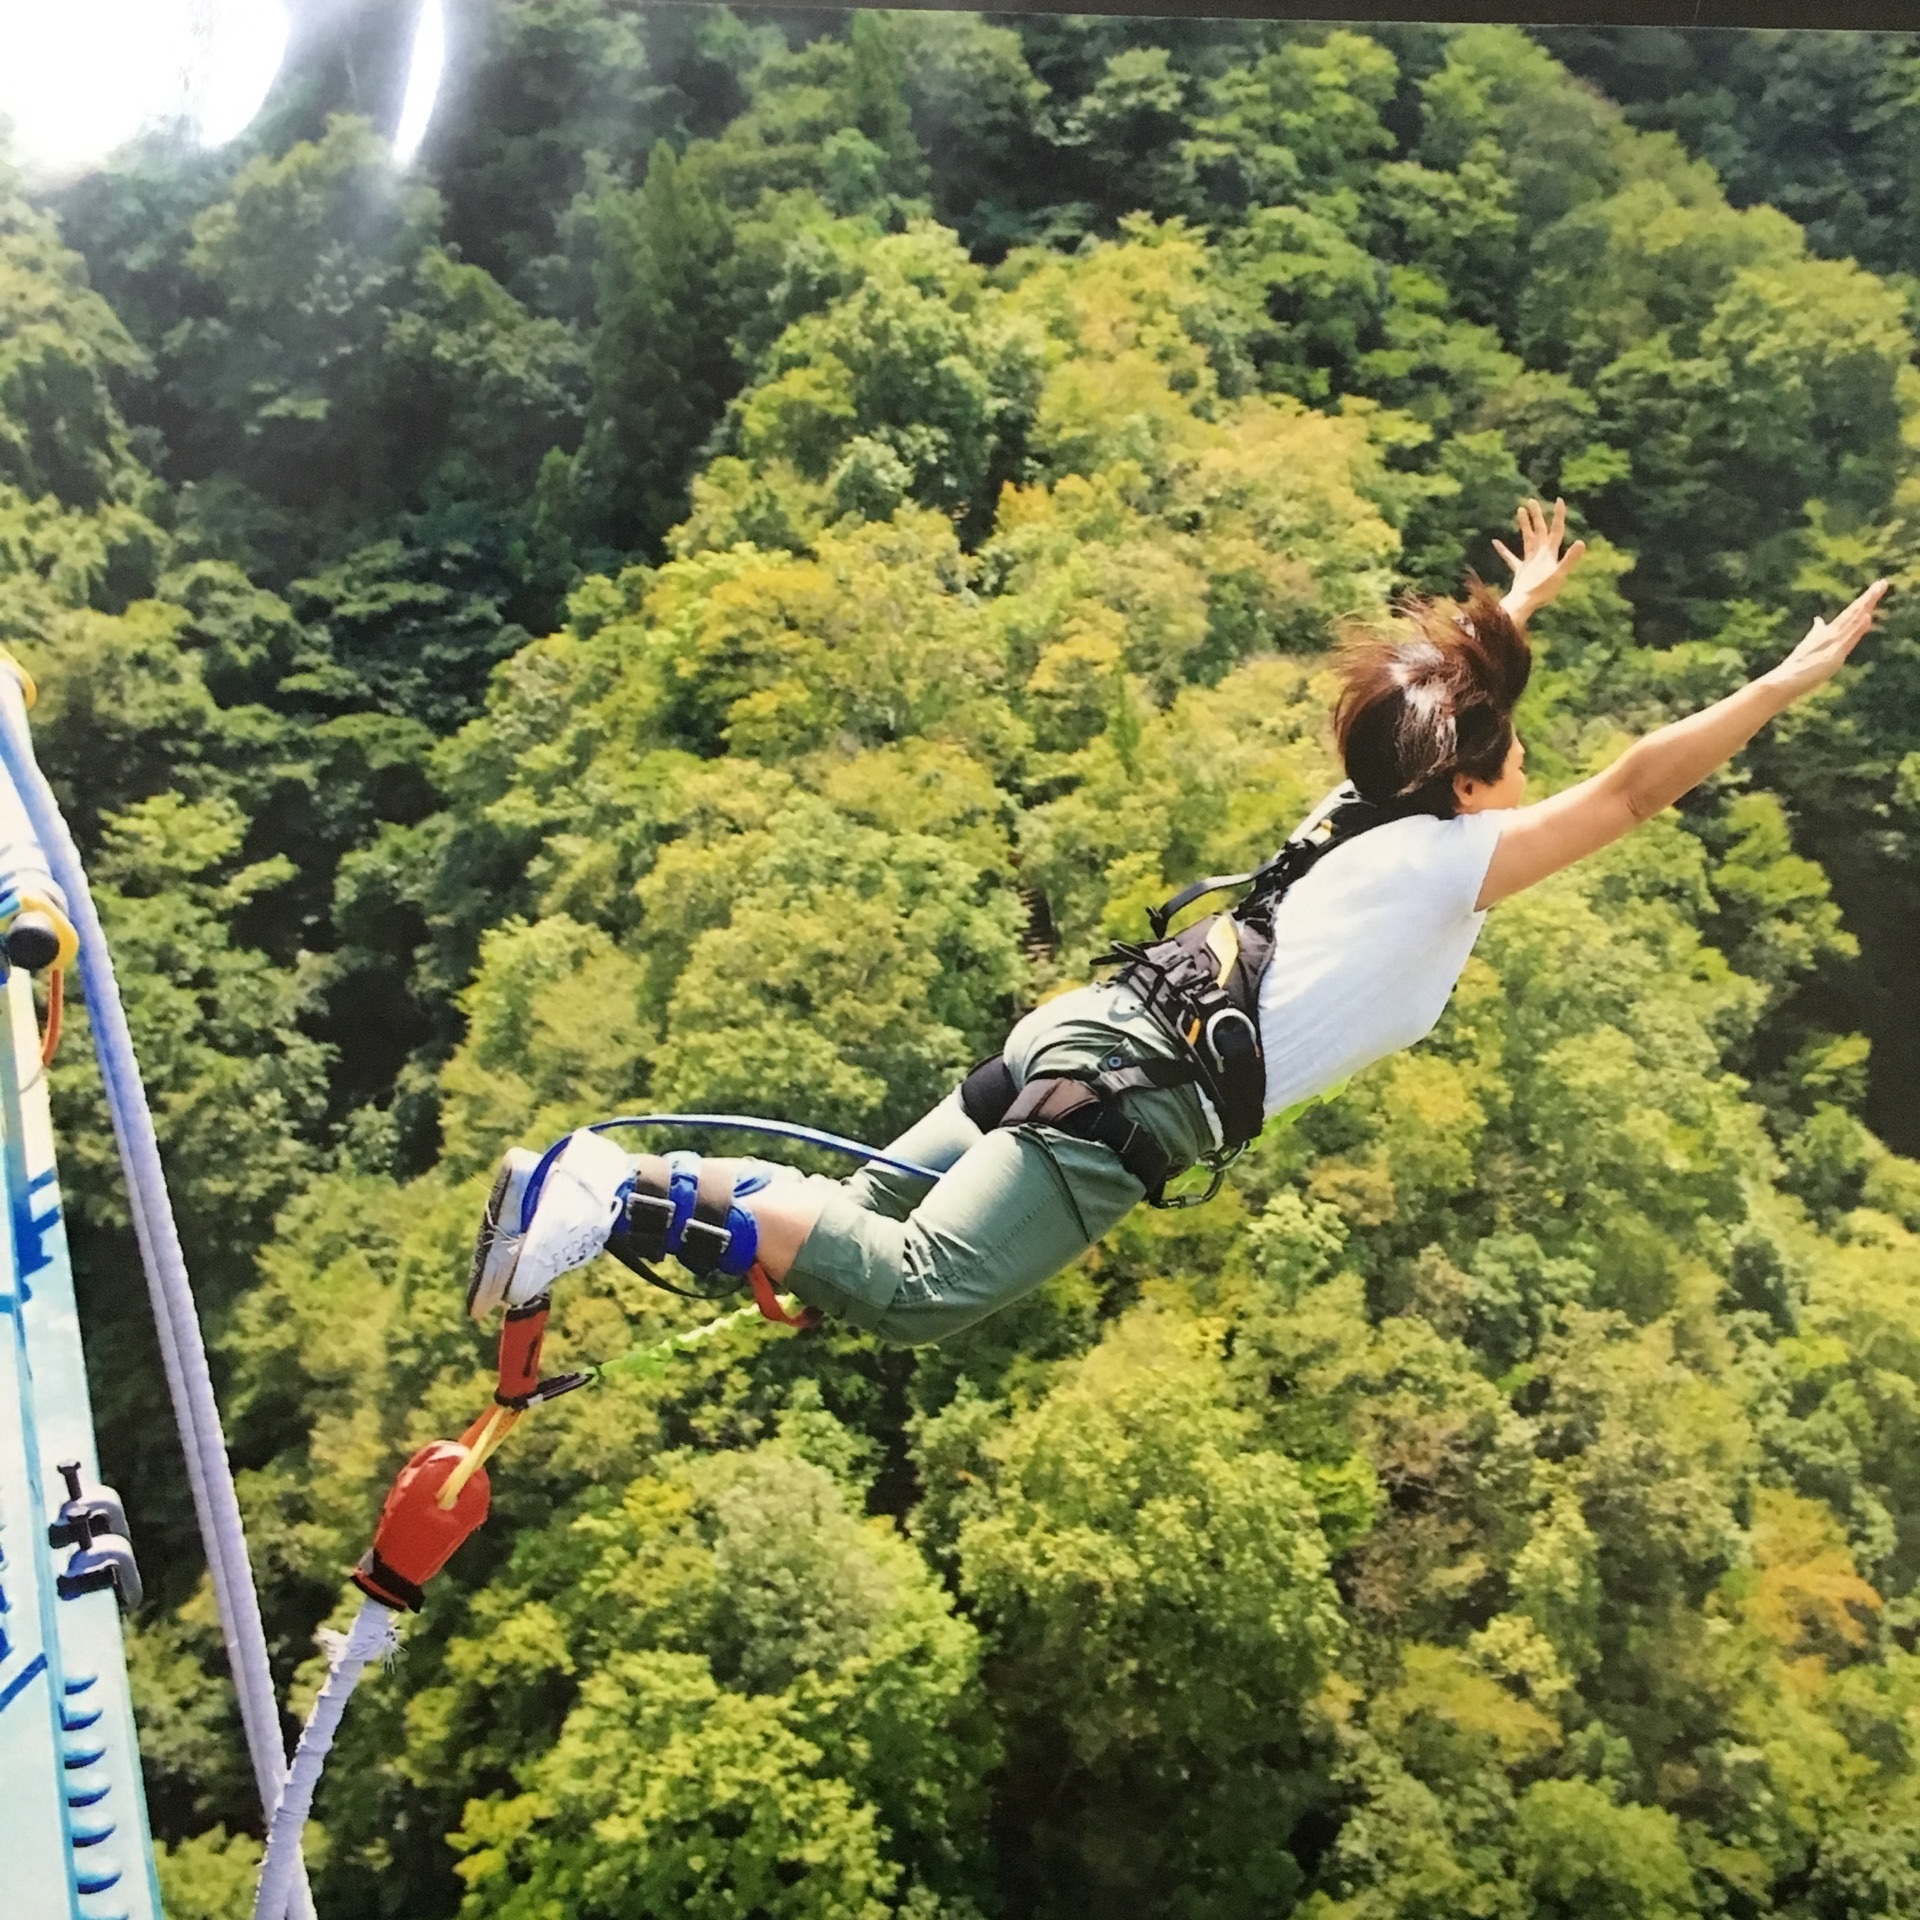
{"x":546,"y":1216}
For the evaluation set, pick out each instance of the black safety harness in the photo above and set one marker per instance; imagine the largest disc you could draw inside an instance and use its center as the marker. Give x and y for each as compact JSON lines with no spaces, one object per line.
{"x":1203,"y":986}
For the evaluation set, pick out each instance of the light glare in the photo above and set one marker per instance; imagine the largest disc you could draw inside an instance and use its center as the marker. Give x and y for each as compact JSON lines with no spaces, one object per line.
{"x":79,"y":79}
{"x":241,"y":44}
{"x":424,"y":69}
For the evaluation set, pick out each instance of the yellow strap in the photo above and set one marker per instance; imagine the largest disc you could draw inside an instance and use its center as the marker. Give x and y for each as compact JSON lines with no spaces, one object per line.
{"x":495,"y":1428}
{"x":29,"y":693}
{"x":1223,"y":942}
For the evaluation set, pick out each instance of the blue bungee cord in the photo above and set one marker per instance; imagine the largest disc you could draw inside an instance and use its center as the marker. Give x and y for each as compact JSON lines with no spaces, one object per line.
{"x":775,"y":1129}
{"x":724,"y":1123}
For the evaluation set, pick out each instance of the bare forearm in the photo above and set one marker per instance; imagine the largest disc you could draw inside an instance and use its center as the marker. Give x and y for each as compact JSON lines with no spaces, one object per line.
{"x":1654,"y":772}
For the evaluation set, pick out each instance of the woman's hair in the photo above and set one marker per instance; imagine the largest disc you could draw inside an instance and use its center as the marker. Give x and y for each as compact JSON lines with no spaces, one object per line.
{"x":1431,"y":699}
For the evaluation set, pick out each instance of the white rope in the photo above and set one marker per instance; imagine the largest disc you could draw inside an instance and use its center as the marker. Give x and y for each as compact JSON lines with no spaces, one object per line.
{"x":182,"y":1350}
{"x":374,"y":1634}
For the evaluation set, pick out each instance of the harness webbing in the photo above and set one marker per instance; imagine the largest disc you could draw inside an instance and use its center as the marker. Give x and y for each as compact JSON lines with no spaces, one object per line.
{"x":1085,"y":1108}
{"x":1203,"y":983}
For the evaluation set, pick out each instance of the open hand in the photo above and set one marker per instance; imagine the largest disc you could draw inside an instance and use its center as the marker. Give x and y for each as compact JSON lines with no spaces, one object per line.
{"x":1828,"y":643}
{"x":1541,"y":571}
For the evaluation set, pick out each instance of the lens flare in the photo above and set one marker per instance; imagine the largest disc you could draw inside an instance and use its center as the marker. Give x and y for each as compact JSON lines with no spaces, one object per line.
{"x":80,"y":79}
{"x":424,"y":70}
{"x":239,"y":45}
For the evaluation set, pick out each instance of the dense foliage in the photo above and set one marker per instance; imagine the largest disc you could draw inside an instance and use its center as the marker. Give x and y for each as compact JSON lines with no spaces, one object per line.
{"x":736,"y":578}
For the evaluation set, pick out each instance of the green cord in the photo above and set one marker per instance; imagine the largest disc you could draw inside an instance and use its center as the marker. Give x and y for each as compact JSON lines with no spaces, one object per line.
{"x":656,"y":1361}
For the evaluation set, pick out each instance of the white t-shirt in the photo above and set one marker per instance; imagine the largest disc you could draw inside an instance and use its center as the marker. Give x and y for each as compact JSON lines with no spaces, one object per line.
{"x":1368,"y":946}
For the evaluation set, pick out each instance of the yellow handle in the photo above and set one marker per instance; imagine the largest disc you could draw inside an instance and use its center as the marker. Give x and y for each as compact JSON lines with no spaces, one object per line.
{"x":494,"y":1428}
{"x":62,"y":927}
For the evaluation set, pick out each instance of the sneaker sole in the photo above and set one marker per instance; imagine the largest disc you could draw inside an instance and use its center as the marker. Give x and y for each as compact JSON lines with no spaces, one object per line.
{"x":496,"y":1251}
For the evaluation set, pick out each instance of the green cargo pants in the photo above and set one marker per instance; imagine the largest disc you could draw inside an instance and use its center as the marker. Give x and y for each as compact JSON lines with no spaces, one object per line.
{"x":913,"y":1262}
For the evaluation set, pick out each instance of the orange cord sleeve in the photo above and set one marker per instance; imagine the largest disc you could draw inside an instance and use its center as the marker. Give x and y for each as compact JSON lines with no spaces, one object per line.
{"x":56,"y":1002}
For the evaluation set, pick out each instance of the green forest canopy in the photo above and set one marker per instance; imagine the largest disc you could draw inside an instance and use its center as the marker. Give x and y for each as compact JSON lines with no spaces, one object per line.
{"x":734,"y":580}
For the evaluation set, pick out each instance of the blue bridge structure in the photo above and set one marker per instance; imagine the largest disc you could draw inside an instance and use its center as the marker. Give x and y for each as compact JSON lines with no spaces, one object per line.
{"x":74,"y":1839}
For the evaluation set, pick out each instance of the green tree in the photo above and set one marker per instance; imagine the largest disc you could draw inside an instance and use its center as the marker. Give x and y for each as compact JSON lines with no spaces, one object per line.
{"x":62,"y":350}
{"x":1581,"y":1854}
{"x":1158,"y":1589}
{"x":663,"y":365}
{"x":308,"y":256}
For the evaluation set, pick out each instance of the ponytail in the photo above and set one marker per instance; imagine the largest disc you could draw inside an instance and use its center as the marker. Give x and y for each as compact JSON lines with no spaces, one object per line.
{"x":1432,"y":700}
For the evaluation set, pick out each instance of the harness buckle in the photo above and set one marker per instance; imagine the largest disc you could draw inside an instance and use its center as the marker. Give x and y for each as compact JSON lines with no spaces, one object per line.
{"x":643,"y":1229}
{"x":703,"y":1246}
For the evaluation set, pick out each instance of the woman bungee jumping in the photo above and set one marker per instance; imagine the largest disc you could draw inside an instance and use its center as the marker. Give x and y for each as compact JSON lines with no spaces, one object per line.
{"x":1345,"y":948}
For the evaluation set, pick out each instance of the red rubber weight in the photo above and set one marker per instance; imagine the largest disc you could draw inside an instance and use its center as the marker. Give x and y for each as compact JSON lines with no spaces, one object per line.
{"x":415,"y":1539}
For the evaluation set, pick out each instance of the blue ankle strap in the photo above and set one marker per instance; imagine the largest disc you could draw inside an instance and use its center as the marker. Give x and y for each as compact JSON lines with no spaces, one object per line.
{"x":683,"y":1181}
{"x":743,"y":1231}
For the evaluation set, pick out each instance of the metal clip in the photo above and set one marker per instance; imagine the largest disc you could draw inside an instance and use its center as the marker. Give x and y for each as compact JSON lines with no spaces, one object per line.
{"x":95,"y":1526}
{"x":1217,"y":1165}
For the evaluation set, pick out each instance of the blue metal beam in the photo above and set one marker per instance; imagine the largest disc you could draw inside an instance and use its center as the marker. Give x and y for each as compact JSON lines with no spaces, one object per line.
{"x":77,"y":1843}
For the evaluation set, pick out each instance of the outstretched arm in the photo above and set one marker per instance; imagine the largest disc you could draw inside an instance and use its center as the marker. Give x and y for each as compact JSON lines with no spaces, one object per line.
{"x":1654,"y":772}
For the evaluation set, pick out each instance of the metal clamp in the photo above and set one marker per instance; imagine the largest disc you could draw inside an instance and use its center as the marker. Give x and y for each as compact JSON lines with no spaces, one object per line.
{"x":95,"y":1526}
